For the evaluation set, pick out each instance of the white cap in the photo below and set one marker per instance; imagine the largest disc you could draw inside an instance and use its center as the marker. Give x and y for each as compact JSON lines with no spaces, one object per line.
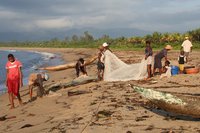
{"x":105,"y":44}
{"x":46,"y":76}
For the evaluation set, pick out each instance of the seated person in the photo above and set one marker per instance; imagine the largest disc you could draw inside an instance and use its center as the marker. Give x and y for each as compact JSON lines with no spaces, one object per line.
{"x":166,"y":70}
{"x":36,"y":80}
{"x":80,"y":67}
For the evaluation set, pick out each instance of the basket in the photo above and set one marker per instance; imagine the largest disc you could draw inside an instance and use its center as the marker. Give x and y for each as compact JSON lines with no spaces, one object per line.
{"x":192,"y":70}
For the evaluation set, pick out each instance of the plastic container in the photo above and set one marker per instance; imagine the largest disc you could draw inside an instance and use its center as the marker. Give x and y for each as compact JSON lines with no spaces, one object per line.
{"x":174,"y":70}
{"x":192,"y":70}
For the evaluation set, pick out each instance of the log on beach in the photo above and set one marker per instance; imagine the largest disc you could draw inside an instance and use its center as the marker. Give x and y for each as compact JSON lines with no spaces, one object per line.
{"x":67,"y":66}
{"x":75,"y":82}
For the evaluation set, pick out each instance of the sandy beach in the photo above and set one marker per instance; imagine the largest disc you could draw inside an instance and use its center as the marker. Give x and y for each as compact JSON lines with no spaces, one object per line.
{"x":104,"y":107}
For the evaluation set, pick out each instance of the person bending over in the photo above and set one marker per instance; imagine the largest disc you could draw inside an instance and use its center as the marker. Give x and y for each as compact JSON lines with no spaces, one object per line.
{"x":158,"y":59}
{"x":36,"y":80}
{"x":80,"y":67}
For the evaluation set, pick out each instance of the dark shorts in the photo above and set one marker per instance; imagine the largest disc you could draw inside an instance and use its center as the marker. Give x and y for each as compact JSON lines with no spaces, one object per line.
{"x":100,"y":65}
{"x":157,"y":62}
{"x":186,"y":54}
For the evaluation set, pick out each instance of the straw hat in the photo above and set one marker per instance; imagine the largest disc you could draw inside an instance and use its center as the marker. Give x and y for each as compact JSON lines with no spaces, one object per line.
{"x":169,"y":47}
{"x":105,"y":44}
{"x":186,"y":37}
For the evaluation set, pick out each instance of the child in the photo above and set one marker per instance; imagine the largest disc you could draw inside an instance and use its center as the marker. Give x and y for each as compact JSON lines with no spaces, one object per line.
{"x":181,"y":61}
{"x":36,"y":80}
{"x":80,"y":67}
{"x":100,"y":63}
{"x":166,"y":70}
{"x":13,"y":79}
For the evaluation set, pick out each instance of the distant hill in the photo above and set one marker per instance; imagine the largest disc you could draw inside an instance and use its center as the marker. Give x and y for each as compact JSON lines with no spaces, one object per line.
{"x":47,"y":35}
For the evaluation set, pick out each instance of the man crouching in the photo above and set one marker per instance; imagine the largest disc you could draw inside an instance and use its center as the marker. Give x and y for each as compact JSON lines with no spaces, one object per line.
{"x":36,"y":80}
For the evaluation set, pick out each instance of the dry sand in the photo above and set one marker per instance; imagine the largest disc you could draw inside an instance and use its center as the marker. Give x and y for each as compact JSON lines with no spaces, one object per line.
{"x":108,"y":107}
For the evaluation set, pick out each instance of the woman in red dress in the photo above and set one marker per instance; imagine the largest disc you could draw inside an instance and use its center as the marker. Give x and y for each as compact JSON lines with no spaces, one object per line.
{"x":14,"y":79}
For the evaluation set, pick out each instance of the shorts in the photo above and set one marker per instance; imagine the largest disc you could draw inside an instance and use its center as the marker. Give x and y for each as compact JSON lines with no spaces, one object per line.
{"x":13,"y":86}
{"x":181,"y":67}
{"x":149,"y":60}
{"x":186,"y":54}
{"x":100,"y":65}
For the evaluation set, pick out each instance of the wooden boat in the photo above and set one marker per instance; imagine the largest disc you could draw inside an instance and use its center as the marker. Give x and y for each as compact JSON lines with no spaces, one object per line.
{"x":67,"y":66}
{"x":178,"y":104}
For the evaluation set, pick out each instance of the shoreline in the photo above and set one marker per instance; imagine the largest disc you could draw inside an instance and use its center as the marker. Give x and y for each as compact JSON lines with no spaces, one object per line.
{"x":57,"y":58}
{"x":114,"y":102}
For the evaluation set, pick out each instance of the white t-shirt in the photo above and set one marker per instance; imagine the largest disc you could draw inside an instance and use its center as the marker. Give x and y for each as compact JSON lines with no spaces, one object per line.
{"x":187,"y":46}
{"x":167,"y":74}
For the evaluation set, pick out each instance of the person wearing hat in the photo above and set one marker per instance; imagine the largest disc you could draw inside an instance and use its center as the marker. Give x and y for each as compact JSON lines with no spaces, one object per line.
{"x":36,"y":80}
{"x":158,"y":58}
{"x":100,"y":63}
{"x":186,"y":47}
{"x":106,"y":46}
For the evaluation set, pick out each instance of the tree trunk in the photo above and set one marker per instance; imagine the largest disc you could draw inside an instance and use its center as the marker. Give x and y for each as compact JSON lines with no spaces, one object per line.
{"x":67,"y":66}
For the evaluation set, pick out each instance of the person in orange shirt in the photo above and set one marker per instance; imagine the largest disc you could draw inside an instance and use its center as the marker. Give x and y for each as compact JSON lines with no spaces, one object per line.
{"x":14,"y":78}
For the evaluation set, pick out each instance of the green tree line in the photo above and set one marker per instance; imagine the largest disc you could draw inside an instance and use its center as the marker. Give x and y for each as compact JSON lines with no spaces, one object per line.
{"x":158,"y":40}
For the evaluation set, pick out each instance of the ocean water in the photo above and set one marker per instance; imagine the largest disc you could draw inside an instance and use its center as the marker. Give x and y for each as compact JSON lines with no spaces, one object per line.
{"x":31,"y":60}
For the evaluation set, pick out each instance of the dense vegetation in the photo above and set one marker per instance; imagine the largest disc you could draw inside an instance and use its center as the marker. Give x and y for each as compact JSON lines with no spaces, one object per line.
{"x":158,"y":40}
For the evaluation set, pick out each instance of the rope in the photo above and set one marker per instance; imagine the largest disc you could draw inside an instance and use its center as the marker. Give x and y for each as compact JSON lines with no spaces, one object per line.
{"x":92,"y":116}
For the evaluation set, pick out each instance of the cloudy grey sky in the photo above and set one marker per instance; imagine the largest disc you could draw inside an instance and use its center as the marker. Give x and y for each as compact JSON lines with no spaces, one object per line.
{"x":46,"y":16}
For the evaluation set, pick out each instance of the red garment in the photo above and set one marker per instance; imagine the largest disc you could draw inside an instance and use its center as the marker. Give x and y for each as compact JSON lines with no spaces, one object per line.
{"x":13,"y":79}
{"x":13,"y":86}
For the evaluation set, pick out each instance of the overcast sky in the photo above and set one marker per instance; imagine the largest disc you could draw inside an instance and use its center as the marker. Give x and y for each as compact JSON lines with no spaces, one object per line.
{"x":148,"y":15}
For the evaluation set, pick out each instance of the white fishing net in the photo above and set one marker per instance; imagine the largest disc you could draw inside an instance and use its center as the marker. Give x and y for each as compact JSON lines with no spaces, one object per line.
{"x":117,"y":70}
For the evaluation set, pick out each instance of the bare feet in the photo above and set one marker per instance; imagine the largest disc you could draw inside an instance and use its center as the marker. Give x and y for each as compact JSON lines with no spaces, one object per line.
{"x":12,"y":107}
{"x":21,"y":103}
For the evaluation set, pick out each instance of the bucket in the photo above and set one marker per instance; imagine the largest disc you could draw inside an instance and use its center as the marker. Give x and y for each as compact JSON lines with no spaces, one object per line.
{"x":174,"y":70}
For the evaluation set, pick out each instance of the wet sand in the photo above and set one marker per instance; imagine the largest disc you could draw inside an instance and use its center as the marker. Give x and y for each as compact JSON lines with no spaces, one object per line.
{"x":105,"y":107}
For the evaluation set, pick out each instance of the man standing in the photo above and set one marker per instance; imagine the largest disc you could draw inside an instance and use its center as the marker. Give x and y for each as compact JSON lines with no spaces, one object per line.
{"x":148,"y":57}
{"x":13,"y":79}
{"x":187,"y":47}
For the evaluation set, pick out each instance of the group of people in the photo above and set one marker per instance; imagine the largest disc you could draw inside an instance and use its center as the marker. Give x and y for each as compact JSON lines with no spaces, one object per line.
{"x":81,"y":67}
{"x":14,"y":76}
{"x":165,"y":71}
{"x":14,"y":80}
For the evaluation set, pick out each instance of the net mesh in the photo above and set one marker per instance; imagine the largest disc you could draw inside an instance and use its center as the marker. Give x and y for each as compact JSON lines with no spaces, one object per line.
{"x":117,"y":70}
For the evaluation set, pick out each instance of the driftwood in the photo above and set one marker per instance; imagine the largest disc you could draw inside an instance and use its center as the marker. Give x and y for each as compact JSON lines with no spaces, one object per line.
{"x":189,"y":105}
{"x":78,"y":92}
{"x":67,"y":66}
{"x":3,"y":118}
{"x":75,"y":82}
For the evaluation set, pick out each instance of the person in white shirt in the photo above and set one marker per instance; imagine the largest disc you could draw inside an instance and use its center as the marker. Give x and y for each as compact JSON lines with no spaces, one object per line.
{"x":166,"y":70}
{"x":187,"y":47}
